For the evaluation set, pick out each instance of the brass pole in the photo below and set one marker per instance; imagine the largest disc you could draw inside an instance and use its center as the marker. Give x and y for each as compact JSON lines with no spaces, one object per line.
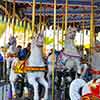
{"x":58,"y":32}
{"x":83,"y":27}
{"x":63,"y":17}
{"x":44,"y":17}
{"x":91,"y":30}
{"x":14,"y":1}
{"x":53,"y":50}
{"x":73,"y":24}
{"x":6,"y":4}
{"x":14,"y":8}
{"x":33,"y":18}
{"x":24,"y":32}
{"x":92,"y":39}
{"x":66,"y":16}
{"x":40,"y":20}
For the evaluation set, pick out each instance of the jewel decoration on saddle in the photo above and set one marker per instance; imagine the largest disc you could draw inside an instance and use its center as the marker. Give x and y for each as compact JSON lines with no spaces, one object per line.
{"x":19,"y":67}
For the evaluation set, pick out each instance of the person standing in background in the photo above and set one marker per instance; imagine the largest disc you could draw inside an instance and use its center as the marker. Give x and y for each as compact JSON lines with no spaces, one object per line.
{"x":1,"y":64}
{"x":95,"y":63}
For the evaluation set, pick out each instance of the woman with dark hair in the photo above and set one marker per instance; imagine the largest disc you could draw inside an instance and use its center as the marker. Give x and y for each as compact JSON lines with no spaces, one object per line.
{"x":24,"y":53}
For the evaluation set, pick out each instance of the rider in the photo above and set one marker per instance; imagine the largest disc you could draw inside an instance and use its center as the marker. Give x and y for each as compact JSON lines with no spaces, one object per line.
{"x":1,"y":65}
{"x":19,"y":48}
{"x":60,"y":65}
{"x":25,"y":53}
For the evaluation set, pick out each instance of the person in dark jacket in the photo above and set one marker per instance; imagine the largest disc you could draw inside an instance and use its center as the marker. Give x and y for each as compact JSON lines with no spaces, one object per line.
{"x":1,"y":66}
{"x":24,"y":53}
{"x":19,"y":49}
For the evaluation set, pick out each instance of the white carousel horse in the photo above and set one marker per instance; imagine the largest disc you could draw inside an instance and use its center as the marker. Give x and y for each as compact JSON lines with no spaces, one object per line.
{"x":11,"y":53}
{"x":70,"y":55}
{"x":12,"y":60}
{"x":35,"y":60}
{"x":79,"y":88}
{"x":70,"y":58}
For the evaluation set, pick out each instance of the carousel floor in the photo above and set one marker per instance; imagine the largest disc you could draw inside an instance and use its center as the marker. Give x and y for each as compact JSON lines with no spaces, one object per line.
{"x":28,"y":98}
{"x":4,"y":89}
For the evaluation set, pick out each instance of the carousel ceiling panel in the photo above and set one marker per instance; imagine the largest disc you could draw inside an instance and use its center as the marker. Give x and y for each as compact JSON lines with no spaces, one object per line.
{"x":87,"y":24}
{"x":60,"y":11}
{"x":76,"y":8}
{"x":73,"y":10}
{"x":81,"y":2}
{"x":76,"y":19}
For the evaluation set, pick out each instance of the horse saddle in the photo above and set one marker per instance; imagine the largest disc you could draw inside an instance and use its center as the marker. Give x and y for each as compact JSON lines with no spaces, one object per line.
{"x":19,"y":66}
{"x":11,"y":55}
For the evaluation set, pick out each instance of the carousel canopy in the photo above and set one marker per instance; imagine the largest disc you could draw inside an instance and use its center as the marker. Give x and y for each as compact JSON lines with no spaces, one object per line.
{"x":77,"y":9}
{"x":60,"y":2}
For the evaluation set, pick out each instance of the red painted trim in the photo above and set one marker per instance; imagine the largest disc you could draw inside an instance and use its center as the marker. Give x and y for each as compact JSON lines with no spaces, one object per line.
{"x":94,"y":71}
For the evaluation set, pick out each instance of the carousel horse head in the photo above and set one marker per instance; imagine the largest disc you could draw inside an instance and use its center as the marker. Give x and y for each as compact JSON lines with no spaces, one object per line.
{"x":71,"y":33}
{"x":12,"y":45}
{"x":69,"y":42}
{"x":36,"y":53}
{"x":12,"y":40}
{"x":38,"y":40}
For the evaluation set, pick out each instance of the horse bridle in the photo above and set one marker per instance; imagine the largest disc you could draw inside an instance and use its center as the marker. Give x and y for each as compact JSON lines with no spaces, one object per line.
{"x":66,"y":60}
{"x":65,"y":54}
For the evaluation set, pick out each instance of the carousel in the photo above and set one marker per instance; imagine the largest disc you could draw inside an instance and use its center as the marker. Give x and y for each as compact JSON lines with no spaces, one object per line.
{"x":51,"y":49}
